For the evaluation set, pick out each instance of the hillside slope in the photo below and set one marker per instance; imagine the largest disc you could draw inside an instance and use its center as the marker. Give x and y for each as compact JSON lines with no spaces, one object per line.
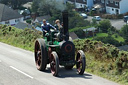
{"x":102,"y":59}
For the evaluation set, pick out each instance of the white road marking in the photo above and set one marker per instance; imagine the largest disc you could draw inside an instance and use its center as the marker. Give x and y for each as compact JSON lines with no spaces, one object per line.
{"x":21,"y":72}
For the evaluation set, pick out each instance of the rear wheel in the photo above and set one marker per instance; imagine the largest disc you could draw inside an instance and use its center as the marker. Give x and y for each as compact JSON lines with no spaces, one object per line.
{"x":54,"y":63}
{"x":40,"y":54}
{"x":81,"y":62}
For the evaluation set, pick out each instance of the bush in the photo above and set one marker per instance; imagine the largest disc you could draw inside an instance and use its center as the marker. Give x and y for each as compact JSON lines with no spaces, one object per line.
{"x":104,"y":25}
{"x":108,"y":39}
{"x":94,"y":22}
{"x":77,"y":28}
{"x":18,"y":37}
{"x":116,"y":60}
{"x":120,"y":16}
{"x":112,"y":16}
{"x":29,"y":21}
{"x":77,"y":21}
{"x":80,"y":33}
{"x":124,"y":32}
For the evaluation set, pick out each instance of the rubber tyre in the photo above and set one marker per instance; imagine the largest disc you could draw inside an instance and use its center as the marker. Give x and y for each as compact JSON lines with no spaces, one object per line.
{"x":40,"y":54}
{"x":81,"y":62}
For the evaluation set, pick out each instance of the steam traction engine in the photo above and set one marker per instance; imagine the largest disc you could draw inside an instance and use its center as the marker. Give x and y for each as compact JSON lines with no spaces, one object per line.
{"x":57,"y":49}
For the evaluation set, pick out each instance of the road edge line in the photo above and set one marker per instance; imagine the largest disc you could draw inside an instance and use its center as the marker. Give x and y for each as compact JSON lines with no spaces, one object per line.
{"x":21,"y":72}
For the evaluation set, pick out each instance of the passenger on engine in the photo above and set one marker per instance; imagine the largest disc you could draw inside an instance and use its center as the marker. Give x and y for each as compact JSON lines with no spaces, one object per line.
{"x":58,"y":25}
{"x":60,"y":29}
{"x":46,"y":27}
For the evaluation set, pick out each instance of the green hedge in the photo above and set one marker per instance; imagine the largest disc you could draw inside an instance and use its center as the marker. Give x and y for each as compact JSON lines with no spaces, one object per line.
{"x":104,"y":53}
{"x":18,"y":37}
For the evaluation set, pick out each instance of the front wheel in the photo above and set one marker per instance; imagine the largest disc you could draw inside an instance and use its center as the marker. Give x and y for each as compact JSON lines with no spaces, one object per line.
{"x":54,"y":63}
{"x":81,"y":62}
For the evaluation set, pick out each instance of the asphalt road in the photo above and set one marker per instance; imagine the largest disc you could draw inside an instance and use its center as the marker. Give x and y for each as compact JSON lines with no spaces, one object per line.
{"x":17,"y":67}
{"x":118,"y":23}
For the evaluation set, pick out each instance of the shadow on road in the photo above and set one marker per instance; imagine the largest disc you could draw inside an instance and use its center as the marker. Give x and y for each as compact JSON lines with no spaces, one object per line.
{"x":63,"y":73}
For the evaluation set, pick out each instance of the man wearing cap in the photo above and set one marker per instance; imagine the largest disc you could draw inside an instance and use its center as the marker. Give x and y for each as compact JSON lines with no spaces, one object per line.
{"x":46,"y":27}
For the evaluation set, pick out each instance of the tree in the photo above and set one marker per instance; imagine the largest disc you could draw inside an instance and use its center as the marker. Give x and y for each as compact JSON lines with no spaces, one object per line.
{"x":104,"y":25}
{"x":108,"y":39}
{"x":55,"y":14}
{"x":4,"y":1}
{"x":15,"y":4}
{"x":70,"y":8}
{"x":54,"y":9}
{"x":47,"y":7}
{"x":35,"y":6}
{"x":80,"y":33}
{"x":77,"y":21}
{"x":124,"y":32}
{"x":94,"y":23}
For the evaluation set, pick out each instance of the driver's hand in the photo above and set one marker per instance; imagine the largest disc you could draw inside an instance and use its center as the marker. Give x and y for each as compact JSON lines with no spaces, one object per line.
{"x":45,"y":31}
{"x":55,"y":29}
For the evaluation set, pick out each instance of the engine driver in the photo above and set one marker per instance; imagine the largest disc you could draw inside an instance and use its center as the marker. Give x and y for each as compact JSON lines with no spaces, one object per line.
{"x":46,"y":27}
